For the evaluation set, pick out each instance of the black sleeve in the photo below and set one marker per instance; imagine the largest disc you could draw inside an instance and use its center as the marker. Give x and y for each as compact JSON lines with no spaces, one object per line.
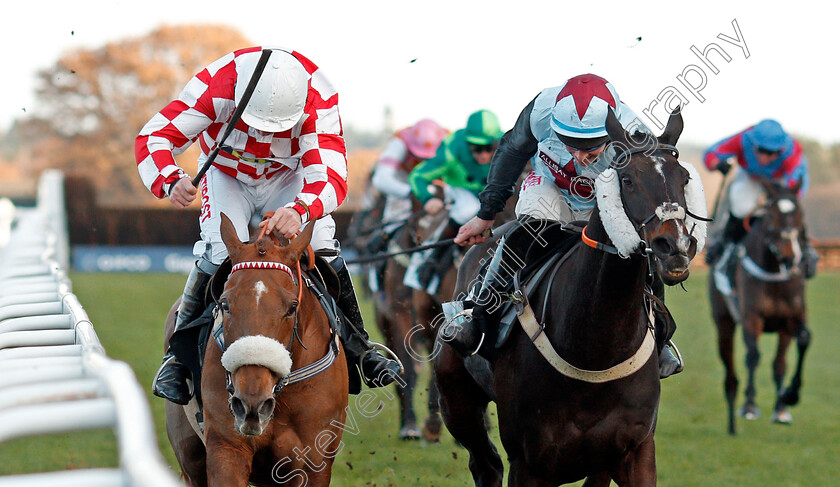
{"x":516,"y":147}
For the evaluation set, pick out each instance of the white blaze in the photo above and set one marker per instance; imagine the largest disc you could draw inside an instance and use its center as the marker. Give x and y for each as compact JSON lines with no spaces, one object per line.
{"x":259,"y":290}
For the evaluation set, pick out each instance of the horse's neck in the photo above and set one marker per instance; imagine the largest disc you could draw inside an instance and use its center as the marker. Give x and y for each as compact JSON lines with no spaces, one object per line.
{"x":757,"y":250}
{"x":602,"y":302}
{"x":313,"y":330}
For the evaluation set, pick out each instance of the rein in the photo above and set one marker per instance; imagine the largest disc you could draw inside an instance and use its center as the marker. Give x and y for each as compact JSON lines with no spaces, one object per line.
{"x":752,"y":267}
{"x":411,"y":250}
{"x":371,"y":229}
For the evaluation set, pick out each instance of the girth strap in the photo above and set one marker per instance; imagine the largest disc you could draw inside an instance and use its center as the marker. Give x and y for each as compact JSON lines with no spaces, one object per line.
{"x":536,"y":333}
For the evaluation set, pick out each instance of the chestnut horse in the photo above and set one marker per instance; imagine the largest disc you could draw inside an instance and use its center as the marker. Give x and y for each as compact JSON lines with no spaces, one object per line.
{"x":264,"y":423}
{"x":767,"y":295}
{"x":584,"y":404}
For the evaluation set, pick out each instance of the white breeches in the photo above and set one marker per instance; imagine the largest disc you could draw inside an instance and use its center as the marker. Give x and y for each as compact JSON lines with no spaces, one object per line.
{"x":244,"y":205}
{"x":744,"y":194}
{"x":465,"y":204}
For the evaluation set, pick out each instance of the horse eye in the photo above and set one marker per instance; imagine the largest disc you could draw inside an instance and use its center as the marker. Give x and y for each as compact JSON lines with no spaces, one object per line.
{"x":626,"y":181}
{"x":292,"y":308}
{"x":224,"y":305}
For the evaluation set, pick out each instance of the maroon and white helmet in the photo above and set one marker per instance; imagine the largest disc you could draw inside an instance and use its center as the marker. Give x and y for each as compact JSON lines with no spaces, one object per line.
{"x":580,"y":110}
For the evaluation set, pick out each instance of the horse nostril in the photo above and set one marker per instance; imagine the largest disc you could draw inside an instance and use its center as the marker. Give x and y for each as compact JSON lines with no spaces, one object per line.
{"x":266,"y":409}
{"x":661,"y":246}
{"x":237,"y":407}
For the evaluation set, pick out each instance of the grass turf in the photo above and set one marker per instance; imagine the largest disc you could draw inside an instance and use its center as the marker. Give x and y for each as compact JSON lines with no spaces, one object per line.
{"x":693,"y":448}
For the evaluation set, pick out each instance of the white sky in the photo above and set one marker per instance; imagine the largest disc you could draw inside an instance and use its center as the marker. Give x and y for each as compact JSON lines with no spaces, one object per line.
{"x":494,"y":55}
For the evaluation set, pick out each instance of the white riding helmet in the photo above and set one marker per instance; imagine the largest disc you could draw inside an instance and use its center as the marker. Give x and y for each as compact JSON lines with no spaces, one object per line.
{"x":278,"y":100}
{"x":580,"y":110}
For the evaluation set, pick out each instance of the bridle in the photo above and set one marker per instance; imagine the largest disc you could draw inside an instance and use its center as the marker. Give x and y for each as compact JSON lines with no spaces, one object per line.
{"x":767,"y":240}
{"x":299,"y":279}
{"x":669,"y":210}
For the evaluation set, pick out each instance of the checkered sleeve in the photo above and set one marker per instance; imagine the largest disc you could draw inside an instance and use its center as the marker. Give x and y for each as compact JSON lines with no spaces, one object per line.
{"x":322,"y":149}
{"x":178,"y":125}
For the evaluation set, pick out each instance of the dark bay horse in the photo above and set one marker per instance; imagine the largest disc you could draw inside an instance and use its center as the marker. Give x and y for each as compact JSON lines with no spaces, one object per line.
{"x":264,"y":423}
{"x":595,"y":416}
{"x":767,"y":295}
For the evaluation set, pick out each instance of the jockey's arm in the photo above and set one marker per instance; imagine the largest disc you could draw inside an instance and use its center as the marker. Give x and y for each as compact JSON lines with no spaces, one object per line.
{"x":718,"y":157}
{"x":285,"y":221}
{"x":516,"y":147}
{"x":183,"y":193}
{"x":422,"y":176}
{"x":474,"y":231}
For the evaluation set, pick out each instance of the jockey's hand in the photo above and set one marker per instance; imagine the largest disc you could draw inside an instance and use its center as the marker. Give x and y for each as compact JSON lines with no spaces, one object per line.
{"x":285,"y":220}
{"x":474,"y":231}
{"x":433,"y":206}
{"x":183,"y":193}
{"x":724,"y":167}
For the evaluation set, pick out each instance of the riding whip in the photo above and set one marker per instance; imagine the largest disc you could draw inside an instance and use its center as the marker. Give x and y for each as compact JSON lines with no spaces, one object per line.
{"x":237,"y":114}
{"x":719,"y":193}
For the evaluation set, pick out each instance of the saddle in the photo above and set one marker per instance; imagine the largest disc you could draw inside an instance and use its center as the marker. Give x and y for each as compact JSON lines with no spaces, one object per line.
{"x":556,"y":243}
{"x":541,"y":254}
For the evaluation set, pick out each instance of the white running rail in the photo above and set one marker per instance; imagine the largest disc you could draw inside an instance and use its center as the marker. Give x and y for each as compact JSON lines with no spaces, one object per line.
{"x":54,"y":374}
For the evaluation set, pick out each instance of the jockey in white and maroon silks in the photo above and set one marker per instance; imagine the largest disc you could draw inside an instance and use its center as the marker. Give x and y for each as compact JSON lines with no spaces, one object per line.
{"x":286,"y":154}
{"x":563,"y":133}
{"x":763,"y":151}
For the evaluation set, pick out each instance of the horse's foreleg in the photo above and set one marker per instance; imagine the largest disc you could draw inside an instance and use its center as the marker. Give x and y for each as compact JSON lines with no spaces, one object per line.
{"x":432,"y":424}
{"x":462,"y":405}
{"x":639,"y":468}
{"x":227,"y":466}
{"x":726,"y":339}
{"x":779,"y":362}
{"x":521,"y":476}
{"x":790,"y":395}
{"x":753,"y":327}
{"x":406,"y":348}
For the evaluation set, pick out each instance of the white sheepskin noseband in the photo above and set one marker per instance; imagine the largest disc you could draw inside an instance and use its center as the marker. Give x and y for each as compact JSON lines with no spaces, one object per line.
{"x":695,"y":199}
{"x":258,"y":350}
{"x":620,"y":229}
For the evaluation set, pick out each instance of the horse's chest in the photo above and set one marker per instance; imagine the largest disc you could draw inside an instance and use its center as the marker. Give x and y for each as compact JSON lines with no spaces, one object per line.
{"x":560,"y":434}
{"x":775,"y":302}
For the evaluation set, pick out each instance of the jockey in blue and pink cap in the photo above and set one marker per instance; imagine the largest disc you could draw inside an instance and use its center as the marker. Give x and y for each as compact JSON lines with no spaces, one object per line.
{"x":763,"y":151}
{"x":562,"y":132}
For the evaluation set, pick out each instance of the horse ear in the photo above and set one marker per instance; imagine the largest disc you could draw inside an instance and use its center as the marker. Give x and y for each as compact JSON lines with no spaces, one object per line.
{"x":673,"y":129}
{"x":299,"y":244}
{"x":615,"y":130}
{"x":796,"y":187}
{"x":229,"y":236}
{"x":771,"y":188}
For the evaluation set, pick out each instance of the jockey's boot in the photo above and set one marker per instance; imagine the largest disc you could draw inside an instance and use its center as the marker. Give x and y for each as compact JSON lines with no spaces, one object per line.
{"x":433,"y":263}
{"x":812,"y":257}
{"x":670,"y":360}
{"x":171,"y":381}
{"x":466,"y":336}
{"x":377,"y":370}
{"x":733,"y":232}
